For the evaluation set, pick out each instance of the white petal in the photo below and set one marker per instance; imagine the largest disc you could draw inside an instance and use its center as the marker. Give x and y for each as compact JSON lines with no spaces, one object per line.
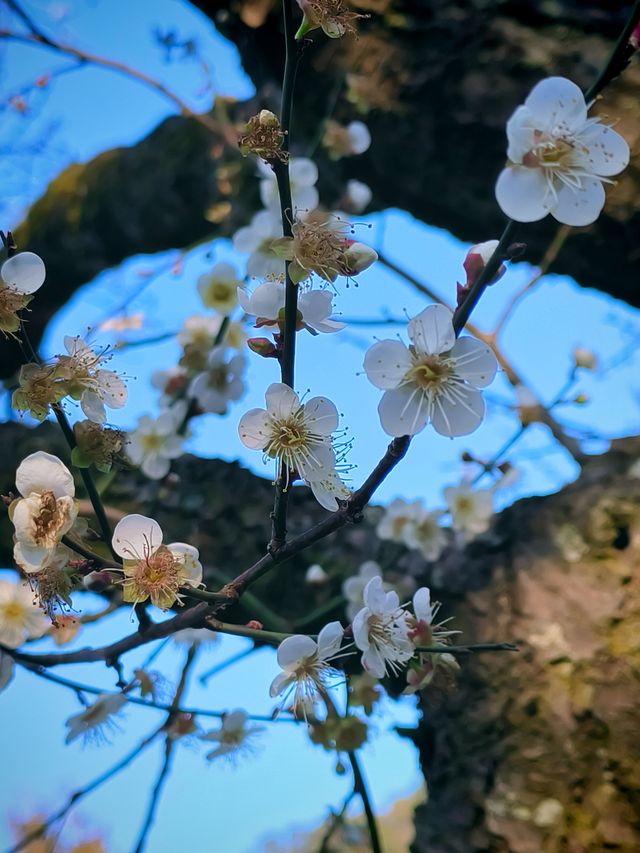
{"x":280,"y":683}
{"x":403,"y":411}
{"x":360,"y":628}
{"x":329,"y":490}
{"x":235,"y":720}
{"x":321,"y":415}
{"x":359,"y":137}
{"x":42,"y":472}
{"x":374,"y":595}
{"x":155,"y":466}
{"x":293,"y":649}
{"x":30,"y":558}
{"x":581,"y":207}
{"x":303,"y":172}
{"x":267,"y":300}
{"x":522,"y":193}
{"x":475,"y":361}
{"x":253,"y":429}
{"x":460,"y":418}
{"x":112,"y":389}
{"x":93,"y":407}
{"x":320,"y":465}
{"x":557,"y":103}
{"x":315,"y":305}
{"x":608,"y":151}
{"x":373,"y":662}
{"x":189,"y":557}
{"x":520,"y":134}
{"x":282,"y":401}
{"x":386,"y":363}
{"x":432,"y":330}
{"x":330,"y":640}
{"x":422,"y":604}
{"x":136,"y":536}
{"x":24,"y":272}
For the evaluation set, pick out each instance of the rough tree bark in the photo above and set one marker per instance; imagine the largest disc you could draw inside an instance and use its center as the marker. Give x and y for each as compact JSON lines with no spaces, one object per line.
{"x":435,"y":82}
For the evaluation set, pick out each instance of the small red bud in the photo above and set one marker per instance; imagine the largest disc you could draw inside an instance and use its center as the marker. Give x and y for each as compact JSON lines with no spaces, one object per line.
{"x":255,"y":625}
{"x":263,"y":347}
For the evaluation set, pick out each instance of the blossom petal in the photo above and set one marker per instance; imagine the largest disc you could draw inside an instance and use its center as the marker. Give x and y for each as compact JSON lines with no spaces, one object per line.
{"x":432,"y":330}
{"x":330,"y":640}
{"x":155,"y":466}
{"x":93,"y":407}
{"x":557,"y":103}
{"x":321,"y":415}
{"x":523,"y":194}
{"x":460,"y":416}
{"x":267,"y":300}
{"x":360,"y":628}
{"x":280,"y":683}
{"x":253,"y":429}
{"x":374,"y":595}
{"x":303,"y":172}
{"x":112,"y":389}
{"x":373,"y":662}
{"x":579,"y":207}
{"x":422,"y":604}
{"x":189,"y":557}
{"x":282,"y":401}
{"x":136,"y":536}
{"x":42,"y":472}
{"x":293,"y":649}
{"x":359,"y":137}
{"x":386,"y":364}
{"x":475,"y":361}
{"x":403,"y":411}
{"x":24,"y":272}
{"x":608,"y":151}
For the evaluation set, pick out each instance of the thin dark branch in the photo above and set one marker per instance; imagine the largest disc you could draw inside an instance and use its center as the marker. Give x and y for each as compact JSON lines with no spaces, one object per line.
{"x":360,"y":785}
{"x":619,"y":58}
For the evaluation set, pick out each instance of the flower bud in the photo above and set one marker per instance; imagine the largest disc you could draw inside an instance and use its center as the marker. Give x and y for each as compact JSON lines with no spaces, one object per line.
{"x":316,"y":575}
{"x":268,"y":119}
{"x":584,"y":358}
{"x":263,"y":347}
{"x":358,"y":258}
{"x":477,"y":258}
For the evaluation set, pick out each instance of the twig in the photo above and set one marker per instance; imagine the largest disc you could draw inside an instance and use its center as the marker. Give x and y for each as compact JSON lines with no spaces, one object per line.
{"x":288,"y":355}
{"x":360,"y":786}
{"x":334,"y":822}
{"x":226,"y":132}
{"x":469,"y":649}
{"x":169,"y":748}
{"x":619,"y":58}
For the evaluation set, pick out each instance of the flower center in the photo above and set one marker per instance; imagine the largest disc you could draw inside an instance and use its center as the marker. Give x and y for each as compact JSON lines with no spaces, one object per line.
{"x":217,"y":378}
{"x":13,"y":611}
{"x":464,"y":505}
{"x":552,"y":152}
{"x":220,"y":290}
{"x":49,"y":519}
{"x":430,"y":372}
{"x":151,"y":442}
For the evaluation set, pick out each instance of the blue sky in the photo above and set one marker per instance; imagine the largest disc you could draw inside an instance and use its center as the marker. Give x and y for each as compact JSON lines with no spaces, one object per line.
{"x":289,"y":780}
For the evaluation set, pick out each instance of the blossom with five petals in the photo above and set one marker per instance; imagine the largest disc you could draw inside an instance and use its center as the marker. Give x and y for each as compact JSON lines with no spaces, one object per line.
{"x":20,"y":618}
{"x":558,"y":158}
{"x":95,"y":716}
{"x":46,"y":510}
{"x":298,"y":435}
{"x":306,"y":666}
{"x":87,"y":382}
{"x":153,"y":570}
{"x":433,"y":380}
{"x":233,"y":737}
{"x":381,"y":631}
{"x":266,"y":304}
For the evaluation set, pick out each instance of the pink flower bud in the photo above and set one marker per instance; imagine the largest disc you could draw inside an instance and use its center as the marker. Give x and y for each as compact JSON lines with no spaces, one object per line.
{"x":263,"y":347}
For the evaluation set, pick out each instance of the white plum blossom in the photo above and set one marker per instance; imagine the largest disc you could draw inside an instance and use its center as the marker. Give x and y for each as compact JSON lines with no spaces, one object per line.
{"x":303,"y":174}
{"x":425,"y":534}
{"x":6,"y":669}
{"x":156,"y":441}
{"x":20,"y":277}
{"x":353,"y":587}
{"x":255,"y":240}
{"x":46,"y":510}
{"x":381,"y":631}
{"x":199,"y":331}
{"x":217,"y":288}
{"x":20,"y":618}
{"x":348,"y":141}
{"x":424,"y":633}
{"x":298,"y":435}
{"x":233,"y":737}
{"x":95,"y":718}
{"x":436,"y":379}
{"x":558,"y":158}
{"x":153,"y":570}
{"x":316,"y":575}
{"x":170,"y":381}
{"x":266,"y":304}
{"x":306,"y":666}
{"x":25,"y":272}
{"x":357,"y":196}
{"x":395,"y":519}
{"x":87,"y":382}
{"x":220,"y":383}
{"x":470,"y":509}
